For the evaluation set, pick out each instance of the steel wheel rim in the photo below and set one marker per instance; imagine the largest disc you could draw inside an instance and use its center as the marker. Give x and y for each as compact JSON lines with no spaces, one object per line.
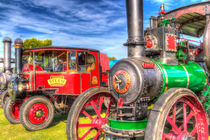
{"x":191,"y":114}
{"x":97,"y":120}
{"x":38,"y":113}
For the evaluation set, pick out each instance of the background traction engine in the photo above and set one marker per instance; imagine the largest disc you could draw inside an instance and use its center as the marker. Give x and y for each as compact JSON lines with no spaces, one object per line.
{"x":160,"y":91}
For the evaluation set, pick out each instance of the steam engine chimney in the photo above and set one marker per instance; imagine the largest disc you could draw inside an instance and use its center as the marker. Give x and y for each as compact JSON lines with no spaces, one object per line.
{"x":135,"y":41}
{"x":7,"y":54}
{"x":18,"y":55}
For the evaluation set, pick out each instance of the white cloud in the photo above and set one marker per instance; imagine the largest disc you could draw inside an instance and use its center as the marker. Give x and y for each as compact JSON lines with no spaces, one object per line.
{"x":66,"y":32}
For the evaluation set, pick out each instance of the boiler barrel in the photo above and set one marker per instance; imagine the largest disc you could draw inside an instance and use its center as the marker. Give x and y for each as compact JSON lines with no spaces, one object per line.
{"x":190,"y":76}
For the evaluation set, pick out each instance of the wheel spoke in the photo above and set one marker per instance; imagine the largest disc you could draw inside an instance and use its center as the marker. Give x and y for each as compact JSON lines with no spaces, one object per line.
{"x":85,"y":135}
{"x":96,"y":136}
{"x":185,"y":117}
{"x":188,"y":118}
{"x":87,"y":125}
{"x":192,"y":133}
{"x":100,"y":104}
{"x":95,"y":108}
{"x":190,"y":115}
{"x":174,"y":114}
{"x":173,"y":125}
{"x":87,"y":115}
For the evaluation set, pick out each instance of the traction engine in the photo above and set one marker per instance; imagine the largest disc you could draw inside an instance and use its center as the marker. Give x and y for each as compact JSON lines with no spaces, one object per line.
{"x":160,"y":92}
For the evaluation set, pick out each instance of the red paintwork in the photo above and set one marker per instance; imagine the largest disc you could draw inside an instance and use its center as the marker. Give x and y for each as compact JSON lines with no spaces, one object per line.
{"x":28,"y":68}
{"x":171,"y":43}
{"x":148,"y":65}
{"x":15,"y":110}
{"x":104,"y":61}
{"x":33,"y":118}
{"x":192,"y":110}
{"x":162,"y":12}
{"x":120,"y":102}
{"x":76,"y":82}
{"x":149,"y":44}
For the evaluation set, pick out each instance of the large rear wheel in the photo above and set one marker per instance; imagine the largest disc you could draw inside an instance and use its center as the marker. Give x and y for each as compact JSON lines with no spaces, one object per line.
{"x":177,"y":115}
{"x":89,"y":113}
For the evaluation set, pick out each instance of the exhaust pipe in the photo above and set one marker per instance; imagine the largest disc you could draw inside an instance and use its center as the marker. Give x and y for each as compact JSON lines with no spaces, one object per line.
{"x":7,"y":54}
{"x":206,"y":43}
{"x":18,"y":55}
{"x":7,"y":74}
{"x":135,"y":41}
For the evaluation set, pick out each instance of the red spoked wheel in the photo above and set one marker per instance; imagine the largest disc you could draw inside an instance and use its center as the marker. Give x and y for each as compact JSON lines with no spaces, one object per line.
{"x":89,"y":113}
{"x":11,"y":111}
{"x":36,"y":113}
{"x":177,"y":115}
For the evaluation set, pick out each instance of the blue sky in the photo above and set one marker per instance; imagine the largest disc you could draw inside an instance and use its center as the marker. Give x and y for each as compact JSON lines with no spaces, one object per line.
{"x":99,"y":24}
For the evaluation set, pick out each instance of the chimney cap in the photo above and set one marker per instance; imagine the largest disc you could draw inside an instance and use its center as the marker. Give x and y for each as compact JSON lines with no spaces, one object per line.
{"x":7,"y":39}
{"x":18,"y":41}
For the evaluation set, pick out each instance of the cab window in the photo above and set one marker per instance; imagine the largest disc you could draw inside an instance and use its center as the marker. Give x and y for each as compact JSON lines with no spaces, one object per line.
{"x":82,"y":61}
{"x":72,"y":60}
{"x":48,"y":61}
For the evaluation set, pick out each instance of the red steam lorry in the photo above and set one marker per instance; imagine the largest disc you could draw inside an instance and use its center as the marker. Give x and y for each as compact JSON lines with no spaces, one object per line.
{"x":47,"y":80}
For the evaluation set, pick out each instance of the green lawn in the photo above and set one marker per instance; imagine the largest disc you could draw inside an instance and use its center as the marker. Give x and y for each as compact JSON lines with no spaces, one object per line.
{"x":57,"y":131}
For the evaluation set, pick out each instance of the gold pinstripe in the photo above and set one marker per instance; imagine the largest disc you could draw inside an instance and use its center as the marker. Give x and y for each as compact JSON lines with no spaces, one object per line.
{"x":188,"y":78}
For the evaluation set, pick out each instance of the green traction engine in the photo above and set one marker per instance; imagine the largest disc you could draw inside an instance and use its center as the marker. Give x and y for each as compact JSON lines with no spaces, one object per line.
{"x":160,"y":92}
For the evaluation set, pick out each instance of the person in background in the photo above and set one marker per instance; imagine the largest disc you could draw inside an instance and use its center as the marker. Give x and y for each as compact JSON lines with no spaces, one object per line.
{"x":58,"y":66}
{"x":90,"y":63}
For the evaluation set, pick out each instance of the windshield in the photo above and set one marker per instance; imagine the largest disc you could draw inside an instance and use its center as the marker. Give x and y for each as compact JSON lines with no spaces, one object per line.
{"x":50,"y":61}
{"x":58,"y":61}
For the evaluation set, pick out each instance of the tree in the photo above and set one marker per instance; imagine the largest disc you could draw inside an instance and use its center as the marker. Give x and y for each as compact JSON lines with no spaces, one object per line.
{"x":112,"y":58}
{"x":36,"y":43}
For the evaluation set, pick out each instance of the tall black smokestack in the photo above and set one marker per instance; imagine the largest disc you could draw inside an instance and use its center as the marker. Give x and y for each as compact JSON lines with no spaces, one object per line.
{"x":18,"y":55}
{"x":135,"y":41}
{"x":7,"y":54}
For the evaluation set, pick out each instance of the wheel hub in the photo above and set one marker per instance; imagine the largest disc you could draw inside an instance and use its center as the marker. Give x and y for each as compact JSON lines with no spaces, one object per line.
{"x":39,"y":113}
{"x":185,"y":136}
{"x":98,"y":122}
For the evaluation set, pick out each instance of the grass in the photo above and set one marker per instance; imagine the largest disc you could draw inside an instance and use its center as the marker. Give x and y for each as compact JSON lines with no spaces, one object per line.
{"x":57,"y":130}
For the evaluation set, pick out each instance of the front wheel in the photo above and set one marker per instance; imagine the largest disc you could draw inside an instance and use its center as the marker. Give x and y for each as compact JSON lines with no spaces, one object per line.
{"x":177,"y":115}
{"x":89,"y":113}
{"x":36,"y":113}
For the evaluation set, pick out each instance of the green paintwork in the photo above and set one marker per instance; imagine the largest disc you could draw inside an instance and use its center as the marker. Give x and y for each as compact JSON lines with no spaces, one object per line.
{"x":180,"y":55}
{"x":177,"y":76}
{"x":164,"y":22}
{"x":127,"y":125}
